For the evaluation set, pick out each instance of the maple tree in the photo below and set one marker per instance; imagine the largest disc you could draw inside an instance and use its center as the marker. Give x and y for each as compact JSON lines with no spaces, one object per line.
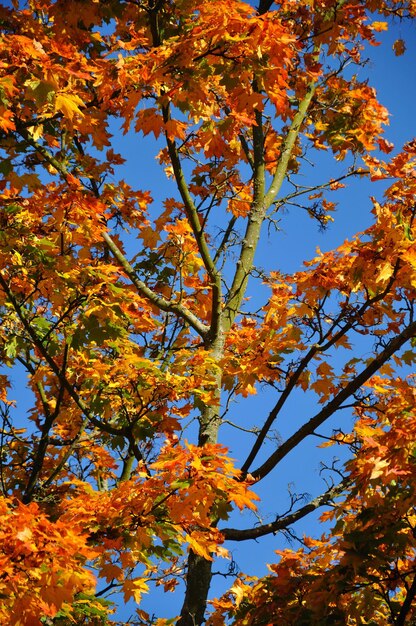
{"x":133,"y":327}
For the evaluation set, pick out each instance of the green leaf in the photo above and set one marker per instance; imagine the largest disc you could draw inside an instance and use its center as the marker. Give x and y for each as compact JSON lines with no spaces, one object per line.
{"x":41,"y":323}
{"x":11,"y":347}
{"x":6,"y":166}
{"x":408,"y":232}
{"x":96,"y":329}
{"x":42,"y":91}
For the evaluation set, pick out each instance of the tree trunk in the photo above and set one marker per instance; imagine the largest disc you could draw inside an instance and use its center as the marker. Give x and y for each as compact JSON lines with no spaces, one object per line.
{"x":198,"y":581}
{"x":199,"y":572}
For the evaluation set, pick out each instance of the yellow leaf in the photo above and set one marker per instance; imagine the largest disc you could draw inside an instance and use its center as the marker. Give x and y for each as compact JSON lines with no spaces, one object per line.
{"x":244,"y":498}
{"x":378,"y":469}
{"x":198,"y":548}
{"x":223,"y":553}
{"x":238,"y":590}
{"x":68,"y":104}
{"x":134,"y":589}
{"x":385,"y":271}
{"x":24,"y":535}
{"x":36,"y":131}
{"x":379,"y":26}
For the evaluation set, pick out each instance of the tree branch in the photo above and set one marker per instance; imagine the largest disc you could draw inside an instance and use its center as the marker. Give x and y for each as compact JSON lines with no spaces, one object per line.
{"x":50,"y":417}
{"x":197,"y":229}
{"x":227,"y":233}
{"x":142,"y":288}
{"x":301,"y":191}
{"x":327,"y":411}
{"x":407,"y":604}
{"x":328,"y":340}
{"x":145,"y":291}
{"x":289,"y":144}
{"x":262,"y":201}
{"x":280,"y":523}
{"x":66,"y":455}
{"x":264,"y":6}
{"x":37,"y":341}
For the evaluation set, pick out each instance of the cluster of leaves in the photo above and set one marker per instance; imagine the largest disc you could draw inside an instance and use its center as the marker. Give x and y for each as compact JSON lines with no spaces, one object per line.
{"x":131,"y":326}
{"x":364,"y":570}
{"x":42,"y":564}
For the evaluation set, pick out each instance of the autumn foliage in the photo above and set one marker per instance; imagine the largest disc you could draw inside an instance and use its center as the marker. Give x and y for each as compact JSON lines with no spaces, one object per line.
{"x":127,"y":319}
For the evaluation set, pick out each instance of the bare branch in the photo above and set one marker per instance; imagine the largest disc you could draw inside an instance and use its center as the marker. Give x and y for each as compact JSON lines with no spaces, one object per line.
{"x":281,"y":523}
{"x":307,"y":429}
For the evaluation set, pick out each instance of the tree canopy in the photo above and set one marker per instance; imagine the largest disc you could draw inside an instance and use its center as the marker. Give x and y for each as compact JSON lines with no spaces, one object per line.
{"x":143,"y":326}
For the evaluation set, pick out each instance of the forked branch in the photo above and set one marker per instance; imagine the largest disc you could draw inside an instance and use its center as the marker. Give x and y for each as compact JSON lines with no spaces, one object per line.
{"x":145,"y":291}
{"x":328,"y":410}
{"x":262,"y":201}
{"x":280,"y":523}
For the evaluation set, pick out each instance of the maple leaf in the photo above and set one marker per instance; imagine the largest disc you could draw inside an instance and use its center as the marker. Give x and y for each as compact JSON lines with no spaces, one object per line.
{"x":134,"y":589}
{"x":238,"y":590}
{"x":379,"y":26}
{"x":385,"y":271}
{"x":68,"y":104}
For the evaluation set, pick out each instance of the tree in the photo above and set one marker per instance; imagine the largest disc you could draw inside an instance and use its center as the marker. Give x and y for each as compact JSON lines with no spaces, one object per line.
{"x":133,"y":327}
